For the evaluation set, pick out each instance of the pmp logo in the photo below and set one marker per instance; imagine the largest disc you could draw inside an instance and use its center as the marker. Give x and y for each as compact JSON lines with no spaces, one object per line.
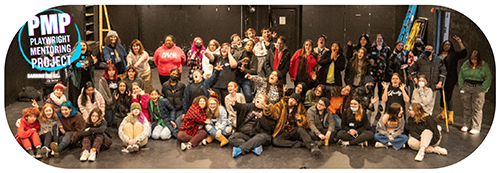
{"x":49,"y":43}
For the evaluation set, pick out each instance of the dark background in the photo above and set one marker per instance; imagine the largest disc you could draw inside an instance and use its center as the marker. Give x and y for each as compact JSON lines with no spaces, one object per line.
{"x":151,"y":23}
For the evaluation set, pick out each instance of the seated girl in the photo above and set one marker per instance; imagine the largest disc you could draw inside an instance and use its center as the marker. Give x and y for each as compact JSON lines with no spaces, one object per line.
{"x":192,"y":132}
{"x":134,"y":129}
{"x":390,"y":128}
{"x":271,"y":87}
{"x":57,"y":97}
{"x":49,"y":128}
{"x":93,"y":135}
{"x":27,"y":132}
{"x":423,"y":95}
{"x":121,"y":99}
{"x":355,"y":126}
{"x":72,"y":124}
{"x":162,"y":116}
{"x":89,"y":98}
{"x":217,"y":125}
{"x":232,"y":88}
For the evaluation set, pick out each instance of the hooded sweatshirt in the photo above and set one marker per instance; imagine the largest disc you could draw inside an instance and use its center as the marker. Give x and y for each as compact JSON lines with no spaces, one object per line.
{"x":167,"y":59}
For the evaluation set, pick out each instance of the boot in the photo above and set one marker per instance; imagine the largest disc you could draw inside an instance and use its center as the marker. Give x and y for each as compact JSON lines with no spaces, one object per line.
{"x":210,"y":138}
{"x":223,"y":140}
{"x":450,"y":117}
{"x":441,"y":114}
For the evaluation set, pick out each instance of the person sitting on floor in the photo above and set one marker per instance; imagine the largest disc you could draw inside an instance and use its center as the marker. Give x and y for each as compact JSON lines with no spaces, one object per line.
{"x":390,"y":128}
{"x":134,"y":129}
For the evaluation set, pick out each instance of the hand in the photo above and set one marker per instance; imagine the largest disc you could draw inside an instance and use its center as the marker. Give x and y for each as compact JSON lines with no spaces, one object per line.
{"x":218,"y":133}
{"x":233,"y":115}
{"x":458,"y":39}
{"x":87,"y":129}
{"x":328,"y":134}
{"x":109,"y":62}
{"x":131,"y":142}
{"x":173,"y":124}
{"x":352,"y":132}
{"x":33,"y":129}
{"x":335,"y":55}
{"x":385,"y":85}
{"x":193,"y":56}
{"x":211,"y":91}
{"x":439,"y":85}
{"x":183,"y":116}
{"x":313,"y":75}
{"x":322,"y":137}
{"x":258,"y":114}
{"x":116,"y":96}
{"x":349,"y":43}
{"x":218,"y":67}
{"x":230,"y":101}
{"x":34,"y":104}
{"x":274,"y":35}
{"x":285,"y":87}
{"x":391,"y":138}
{"x":248,"y":76}
{"x":373,"y":100}
{"x":404,"y":66}
{"x":62,"y":129}
{"x":402,"y":86}
{"x":207,"y":121}
{"x":134,"y":95}
{"x":94,"y":58}
{"x":415,"y":80}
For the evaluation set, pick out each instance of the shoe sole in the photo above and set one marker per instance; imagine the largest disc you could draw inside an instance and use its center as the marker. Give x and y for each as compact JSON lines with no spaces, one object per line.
{"x":258,"y":150}
{"x":54,"y":148}
{"x":45,"y":152}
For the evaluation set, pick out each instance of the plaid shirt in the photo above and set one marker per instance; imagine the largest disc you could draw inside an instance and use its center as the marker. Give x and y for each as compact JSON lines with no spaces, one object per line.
{"x":194,"y":117}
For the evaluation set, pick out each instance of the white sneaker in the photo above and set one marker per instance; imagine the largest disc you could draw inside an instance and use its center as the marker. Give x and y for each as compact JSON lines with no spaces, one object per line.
{"x":135,"y":147}
{"x":379,"y":145}
{"x":420,"y":156}
{"x":185,"y":146}
{"x":130,"y":148}
{"x":203,"y":142}
{"x":440,"y":151}
{"x":85,"y":155}
{"x":92,"y":155}
{"x":474,"y":131}
{"x":464,"y":129}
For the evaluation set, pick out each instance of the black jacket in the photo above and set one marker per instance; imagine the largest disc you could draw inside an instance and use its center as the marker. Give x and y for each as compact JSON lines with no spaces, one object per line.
{"x":263,"y":124}
{"x":434,"y":70}
{"x":451,"y":62}
{"x":284,"y":65}
{"x":325,"y":62}
{"x":174,"y":96}
{"x":350,"y":73}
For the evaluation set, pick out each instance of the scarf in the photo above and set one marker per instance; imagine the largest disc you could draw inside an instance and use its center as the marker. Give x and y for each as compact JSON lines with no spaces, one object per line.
{"x":277,"y":59}
{"x":56,"y":100}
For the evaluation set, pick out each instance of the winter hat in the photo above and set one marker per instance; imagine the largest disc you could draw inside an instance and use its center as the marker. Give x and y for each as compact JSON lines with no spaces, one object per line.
{"x":59,"y":86}
{"x":295,"y":96}
{"x":112,"y":33}
{"x":135,"y":106}
{"x":368,"y":79}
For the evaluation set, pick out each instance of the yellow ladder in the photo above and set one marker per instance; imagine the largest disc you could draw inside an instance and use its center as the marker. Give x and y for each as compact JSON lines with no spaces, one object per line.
{"x":101,"y":29}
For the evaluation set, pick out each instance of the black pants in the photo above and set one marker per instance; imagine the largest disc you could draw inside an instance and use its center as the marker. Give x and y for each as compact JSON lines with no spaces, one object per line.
{"x":364,"y":136}
{"x":293,"y":138}
{"x":49,"y":137}
{"x":247,"y":143}
{"x":222,"y":92}
{"x":163,"y":79}
{"x":314,"y":137}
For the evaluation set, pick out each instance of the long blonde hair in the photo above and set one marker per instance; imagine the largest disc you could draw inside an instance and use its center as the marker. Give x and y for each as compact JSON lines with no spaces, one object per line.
{"x":43,"y":117}
{"x":420,"y":113}
{"x":215,"y":113}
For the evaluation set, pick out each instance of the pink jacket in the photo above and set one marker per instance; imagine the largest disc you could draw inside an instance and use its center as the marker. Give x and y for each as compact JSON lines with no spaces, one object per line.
{"x":168,"y":58}
{"x":85,"y":108}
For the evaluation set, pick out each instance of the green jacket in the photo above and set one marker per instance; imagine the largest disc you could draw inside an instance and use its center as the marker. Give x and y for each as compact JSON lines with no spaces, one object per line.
{"x":480,"y":74}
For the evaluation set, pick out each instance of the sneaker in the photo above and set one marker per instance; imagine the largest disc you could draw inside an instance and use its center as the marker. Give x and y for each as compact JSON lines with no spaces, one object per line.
{"x":379,"y":145}
{"x":236,"y":152}
{"x":315,"y":150}
{"x":125,"y":150}
{"x":55,"y":149}
{"x":420,"y":156}
{"x":474,"y":131}
{"x":85,"y":155}
{"x":440,"y":151}
{"x":130,"y":148}
{"x":363,"y":144}
{"x":135,"y":147}
{"x":258,"y":150}
{"x":203,"y":142}
{"x":38,"y":152}
{"x":464,"y":129}
{"x":31,"y":152}
{"x":92,"y":155}
{"x":45,"y":152}
{"x":183,"y":146}
{"x":343,"y":143}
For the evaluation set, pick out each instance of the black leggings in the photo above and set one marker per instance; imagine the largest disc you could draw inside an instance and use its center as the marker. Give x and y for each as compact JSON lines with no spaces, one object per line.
{"x":364,"y":136}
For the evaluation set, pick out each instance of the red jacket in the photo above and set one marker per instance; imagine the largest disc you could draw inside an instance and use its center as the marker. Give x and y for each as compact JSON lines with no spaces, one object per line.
{"x":194,"y":117}
{"x":294,"y":64}
{"x":143,"y":101}
{"x":168,"y":58}
{"x":25,"y":129}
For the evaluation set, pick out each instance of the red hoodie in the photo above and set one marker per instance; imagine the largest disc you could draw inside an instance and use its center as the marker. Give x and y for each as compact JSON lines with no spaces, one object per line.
{"x":25,"y":129}
{"x":294,"y":64}
{"x":168,"y":58}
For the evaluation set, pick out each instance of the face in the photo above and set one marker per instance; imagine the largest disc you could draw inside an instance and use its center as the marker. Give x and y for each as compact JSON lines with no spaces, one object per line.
{"x":84,"y":46}
{"x":273,"y":78}
{"x":321,"y":105}
{"x":212,"y":105}
{"x":197,"y":76}
{"x":363,"y":41}
{"x":399,"y":46}
{"x":112,"y":39}
{"x":400,"y":112}
{"x":65,"y":111}
{"x":198,"y":41}
{"x":231,"y":88}
{"x":202,"y":103}
{"x":249,"y":46}
{"x":473,"y":61}
{"x":250,"y":34}
{"x":335,"y":47}
{"x":212,"y":47}
{"x":379,"y":40}
{"x":95,"y":117}
{"x":308,"y":46}
{"x":280,"y":44}
{"x":122,"y":87}
{"x":298,"y":88}
{"x":321,"y":42}
{"x":411,"y":112}
{"x":422,"y":80}
{"x":31,"y":119}
{"x":111,"y":72}
{"x":225,"y":50}
{"x":446,"y":46}
{"x":237,"y":40}
{"x":354,"y":104}
{"x":345,"y":91}
{"x":136,"y":48}
{"x":318,"y":91}
{"x":131,"y":73}
{"x":429,"y":48}
{"x":395,"y":81}
{"x":48,"y":112}
{"x":292,"y":102}
{"x":174,"y":73}
{"x":154,"y":96}
{"x":89,"y":91}
{"x":266,"y":34}
{"x":136,"y":112}
{"x":169,"y":42}
{"x":58,"y":92}
{"x":260,"y":100}
{"x":136,"y":89}
{"x":361,"y":53}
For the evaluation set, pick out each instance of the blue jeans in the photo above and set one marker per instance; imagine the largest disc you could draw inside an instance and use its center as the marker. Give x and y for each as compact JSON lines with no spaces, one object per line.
{"x":212,"y":131}
{"x":338,"y":122}
{"x":245,"y":86}
{"x":109,"y":116}
{"x":397,"y":143}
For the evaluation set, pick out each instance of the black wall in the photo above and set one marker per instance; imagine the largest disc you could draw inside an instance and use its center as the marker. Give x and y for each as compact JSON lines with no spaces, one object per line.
{"x":151,"y":23}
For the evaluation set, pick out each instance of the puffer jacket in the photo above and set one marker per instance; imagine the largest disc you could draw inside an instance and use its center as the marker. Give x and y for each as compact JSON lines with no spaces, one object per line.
{"x":434,"y":70}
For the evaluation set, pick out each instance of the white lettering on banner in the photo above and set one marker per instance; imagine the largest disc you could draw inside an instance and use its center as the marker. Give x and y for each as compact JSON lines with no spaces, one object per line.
{"x":392,"y":92}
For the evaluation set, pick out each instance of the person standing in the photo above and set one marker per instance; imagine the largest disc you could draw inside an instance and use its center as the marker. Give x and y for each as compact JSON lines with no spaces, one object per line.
{"x":168,"y":57}
{"x":114,"y":53}
{"x":278,"y":58}
{"x":139,"y":59}
{"x":332,"y":64}
{"x":474,"y":81}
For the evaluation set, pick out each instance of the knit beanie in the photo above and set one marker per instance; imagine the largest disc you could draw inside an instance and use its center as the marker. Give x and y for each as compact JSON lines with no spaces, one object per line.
{"x":296,"y":97}
{"x":59,"y":86}
{"x":135,"y":106}
{"x":369,"y":79}
{"x":112,"y":33}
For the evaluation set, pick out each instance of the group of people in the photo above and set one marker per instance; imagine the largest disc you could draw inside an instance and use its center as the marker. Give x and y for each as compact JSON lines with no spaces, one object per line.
{"x":237,"y":95}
